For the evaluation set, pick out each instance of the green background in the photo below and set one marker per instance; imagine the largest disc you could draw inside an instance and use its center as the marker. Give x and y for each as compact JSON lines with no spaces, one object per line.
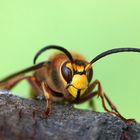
{"x":86,"y":26}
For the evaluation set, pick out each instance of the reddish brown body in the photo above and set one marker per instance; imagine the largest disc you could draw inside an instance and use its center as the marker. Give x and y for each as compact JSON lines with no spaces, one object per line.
{"x":51,"y":74}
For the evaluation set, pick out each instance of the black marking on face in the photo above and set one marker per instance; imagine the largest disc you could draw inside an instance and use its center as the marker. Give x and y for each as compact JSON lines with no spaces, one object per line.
{"x":78,"y":94}
{"x":80,"y":73}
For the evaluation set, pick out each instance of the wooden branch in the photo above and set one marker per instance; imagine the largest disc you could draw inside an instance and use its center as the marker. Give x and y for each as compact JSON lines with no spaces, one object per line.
{"x":23,"y":119}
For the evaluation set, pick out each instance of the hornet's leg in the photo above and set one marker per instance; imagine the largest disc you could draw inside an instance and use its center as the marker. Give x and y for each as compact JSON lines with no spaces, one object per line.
{"x":115,"y":109}
{"x":9,"y":84}
{"x":104,"y":98}
{"x":88,"y":95}
{"x":42,"y":89}
{"x":47,"y":94}
{"x":36,"y":90}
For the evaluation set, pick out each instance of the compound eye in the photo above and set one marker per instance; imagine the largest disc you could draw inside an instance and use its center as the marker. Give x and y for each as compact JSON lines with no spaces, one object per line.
{"x":66,"y":72}
{"x":89,"y":74}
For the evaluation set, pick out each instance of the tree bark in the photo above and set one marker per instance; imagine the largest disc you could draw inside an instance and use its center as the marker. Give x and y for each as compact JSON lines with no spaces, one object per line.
{"x":23,"y":119}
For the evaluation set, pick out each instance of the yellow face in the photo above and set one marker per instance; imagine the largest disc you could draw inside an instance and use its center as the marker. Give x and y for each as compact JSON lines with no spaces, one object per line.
{"x":78,"y":85}
{"x":76,"y":79}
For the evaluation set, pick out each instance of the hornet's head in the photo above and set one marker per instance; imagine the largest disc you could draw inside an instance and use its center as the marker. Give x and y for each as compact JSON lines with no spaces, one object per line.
{"x":77,"y":77}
